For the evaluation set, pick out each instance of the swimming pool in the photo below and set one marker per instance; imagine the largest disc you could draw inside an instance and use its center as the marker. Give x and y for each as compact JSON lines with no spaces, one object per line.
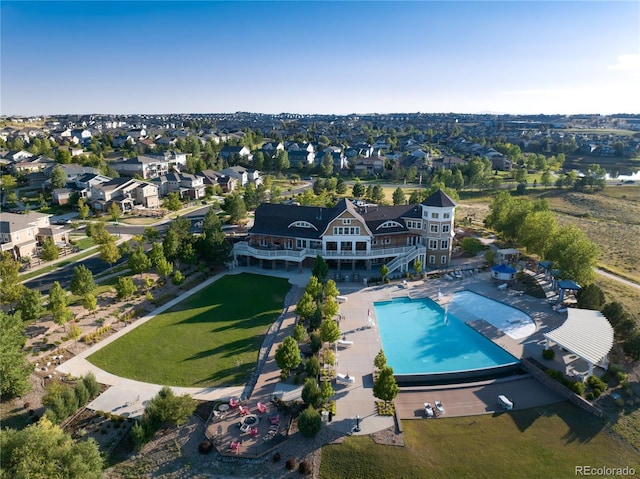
{"x":424,"y":345}
{"x":468,"y":306}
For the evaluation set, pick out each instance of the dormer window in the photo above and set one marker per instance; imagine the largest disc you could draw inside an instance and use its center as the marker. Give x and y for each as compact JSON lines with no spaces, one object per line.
{"x":346,"y":221}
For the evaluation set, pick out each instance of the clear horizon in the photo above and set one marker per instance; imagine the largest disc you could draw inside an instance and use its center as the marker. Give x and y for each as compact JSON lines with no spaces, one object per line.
{"x":318,"y":57}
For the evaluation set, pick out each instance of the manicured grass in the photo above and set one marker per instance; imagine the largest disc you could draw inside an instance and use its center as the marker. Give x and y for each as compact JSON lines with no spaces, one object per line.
{"x":539,"y":442}
{"x":58,"y":264}
{"x":210,"y":339}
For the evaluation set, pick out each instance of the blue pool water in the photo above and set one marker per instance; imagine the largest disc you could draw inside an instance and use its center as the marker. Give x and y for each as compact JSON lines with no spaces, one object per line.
{"x":417,"y":338}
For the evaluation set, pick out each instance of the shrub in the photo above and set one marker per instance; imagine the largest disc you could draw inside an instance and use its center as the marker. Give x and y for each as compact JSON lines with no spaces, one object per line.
{"x":589,"y":396}
{"x":276,"y":457}
{"x":548,"y":354}
{"x":309,"y":422}
{"x":291,"y":464}
{"x":178,"y":278}
{"x":304,"y":468}
{"x":205,"y":447}
{"x":82,"y":394}
{"x":578,"y":388}
{"x":597,"y":384}
{"x":92,"y":385}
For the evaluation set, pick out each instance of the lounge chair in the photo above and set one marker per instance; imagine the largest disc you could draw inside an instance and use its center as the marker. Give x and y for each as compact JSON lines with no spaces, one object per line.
{"x":428,"y":410}
{"x":344,"y":379}
{"x":344,"y":343}
{"x":439,"y":408}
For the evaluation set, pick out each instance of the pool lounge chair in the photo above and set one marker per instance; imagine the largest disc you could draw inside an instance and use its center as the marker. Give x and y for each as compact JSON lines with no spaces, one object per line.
{"x":344,"y":379}
{"x":428,"y":410}
{"x":344,"y":343}
{"x":439,"y":408}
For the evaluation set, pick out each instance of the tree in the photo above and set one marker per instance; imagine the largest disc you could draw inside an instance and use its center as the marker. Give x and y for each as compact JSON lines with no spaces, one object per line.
{"x":83,"y":209}
{"x":287,"y":354}
{"x":314,"y":287}
{"x":63,"y":156}
{"x":172,"y":202}
{"x":380,"y":361}
{"x":166,"y":407}
{"x":385,"y":387}
{"x":15,"y":369}
{"x":309,"y":422}
{"x":306,"y":306}
{"x":358,"y":190}
{"x":58,"y":304}
{"x":537,"y":231}
{"x":341,"y":187}
{"x":156,"y":253}
{"x":151,"y":235}
{"x":98,"y":232}
{"x":235,"y":207}
{"x":615,"y":313}
{"x":139,"y":262}
{"x":49,"y":250}
{"x":114,"y":211}
{"x":109,"y":252}
{"x":320,"y":269}
{"x":312,"y":367}
{"x":471,"y":246}
{"x":384,"y":271}
{"x":90,"y":302}
{"x":82,"y":282}
{"x":44,"y":450}
{"x":299,"y":333}
{"x":574,"y":254}
{"x":398,"y":196}
{"x":316,"y":320}
{"x":125,"y":287}
{"x":591,"y":297}
{"x":74,"y":333}
{"x":10,"y":287}
{"x":329,"y":308}
{"x":30,"y":304}
{"x":329,"y":331}
{"x":377,"y":195}
{"x":212,"y":244}
{"x":417,"y":265}
{"x":164,"y":267}
{"x":331,"y":289}
{"x":58,"y":177}
{"x":311,"y":392}
{"x":326,"y":391}
{"x":281,"y":161}
{"x":326,"y":165}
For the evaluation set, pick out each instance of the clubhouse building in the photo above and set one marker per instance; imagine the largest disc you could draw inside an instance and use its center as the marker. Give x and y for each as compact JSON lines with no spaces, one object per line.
{"x":351,"y":237}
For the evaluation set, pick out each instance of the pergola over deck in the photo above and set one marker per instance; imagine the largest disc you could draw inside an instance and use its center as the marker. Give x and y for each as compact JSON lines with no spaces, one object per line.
{"x":586,"y":333}
{"x":567,"y":285}
{"x":507,"y":255}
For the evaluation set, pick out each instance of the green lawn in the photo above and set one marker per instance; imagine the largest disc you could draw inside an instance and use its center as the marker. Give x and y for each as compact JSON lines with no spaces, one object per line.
{"x":539,"y":442}
{"x":211,"y":339}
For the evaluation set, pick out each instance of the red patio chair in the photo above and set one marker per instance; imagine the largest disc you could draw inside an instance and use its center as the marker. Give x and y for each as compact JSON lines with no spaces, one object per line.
{"x":261,"y":408}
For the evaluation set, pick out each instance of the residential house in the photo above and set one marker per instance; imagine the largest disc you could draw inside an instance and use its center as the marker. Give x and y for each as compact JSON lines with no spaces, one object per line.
{"x":231,"y":152}
{"x":20,"y":233}
{"x":214,"y":178}
{"x":243,"y":175}
{"x":300,"y":158}
{"x":185,"y":184}
{"x":145,"y":166}
{"x":351,"y":237}
{"x":126,"y":193}
{"x":32,"y":164}
{"x":123,"y":140}
{"x":372,"y":165}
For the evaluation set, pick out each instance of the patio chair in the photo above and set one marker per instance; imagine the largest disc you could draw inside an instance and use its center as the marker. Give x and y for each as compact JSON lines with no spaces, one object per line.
{"x":243,"y":410}
{"x":261,"y":408}
{"x":253,"y":431}
{"x":235,"y":446}
{"x":439,"y":408}
{"x":274,"y":419}
{"x":428,"y":410}
{"x":234,"y":403}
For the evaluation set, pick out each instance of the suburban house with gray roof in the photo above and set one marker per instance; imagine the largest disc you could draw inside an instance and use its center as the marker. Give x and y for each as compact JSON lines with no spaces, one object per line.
{"x":351,"y":236}
{"x":21,"y":233}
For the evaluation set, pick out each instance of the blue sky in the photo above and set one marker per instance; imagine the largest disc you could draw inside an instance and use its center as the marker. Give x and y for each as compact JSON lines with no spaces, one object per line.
{"x":319,"y":57}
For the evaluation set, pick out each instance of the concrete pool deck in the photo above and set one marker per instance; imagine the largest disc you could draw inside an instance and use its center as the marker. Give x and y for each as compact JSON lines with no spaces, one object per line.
{"x":356,"y":399}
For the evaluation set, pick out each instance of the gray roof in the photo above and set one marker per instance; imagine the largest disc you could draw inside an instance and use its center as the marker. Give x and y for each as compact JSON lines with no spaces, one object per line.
{"x":439,"y":199}
{"x":11,"y":222}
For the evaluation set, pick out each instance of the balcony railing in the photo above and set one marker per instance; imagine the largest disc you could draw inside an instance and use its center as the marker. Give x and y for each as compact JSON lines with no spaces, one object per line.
{"x":244,"y":248}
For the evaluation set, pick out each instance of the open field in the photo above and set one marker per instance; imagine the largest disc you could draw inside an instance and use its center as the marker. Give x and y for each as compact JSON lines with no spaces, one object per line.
{"x":211,"y":339}
{"x":601,"y":131}
{"x":538,"y":442}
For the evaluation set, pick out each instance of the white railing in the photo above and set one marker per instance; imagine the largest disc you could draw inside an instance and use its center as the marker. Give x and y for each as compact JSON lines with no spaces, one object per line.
{"x":244,"y":248}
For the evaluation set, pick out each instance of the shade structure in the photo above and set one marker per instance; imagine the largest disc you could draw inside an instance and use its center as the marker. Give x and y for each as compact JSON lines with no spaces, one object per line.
{"x":586,"y":333}
{"x":503,"y":272}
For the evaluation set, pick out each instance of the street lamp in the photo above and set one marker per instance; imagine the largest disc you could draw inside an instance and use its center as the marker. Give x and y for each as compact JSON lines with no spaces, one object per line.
{"x":357,"y":428}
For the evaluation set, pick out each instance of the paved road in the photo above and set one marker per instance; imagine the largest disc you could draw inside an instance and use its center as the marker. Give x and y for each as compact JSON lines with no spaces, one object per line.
{"x":65,"y":274}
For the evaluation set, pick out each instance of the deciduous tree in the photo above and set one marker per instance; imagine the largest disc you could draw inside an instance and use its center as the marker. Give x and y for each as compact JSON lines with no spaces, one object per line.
{"x":82,"y":282}
{"x":49,"y":250}
{"x":287,"y":354}
{"x":30,"y":304}
{"x":139,"y":262}
{"x":109,"y":252}
{"x":15,"y":369}
{"x":125,"y":287}
{"x":329,"y":331}
{"x":10,"y":287}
